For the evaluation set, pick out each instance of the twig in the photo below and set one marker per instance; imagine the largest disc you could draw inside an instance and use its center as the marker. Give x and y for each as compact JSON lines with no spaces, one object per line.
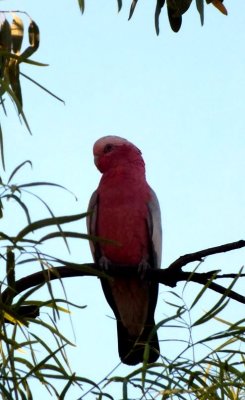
{"x":199,"y":255}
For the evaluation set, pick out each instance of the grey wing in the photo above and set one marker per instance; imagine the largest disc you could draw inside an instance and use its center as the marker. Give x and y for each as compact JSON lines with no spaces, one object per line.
{"x":155,"y":229}
{"x":91,"y":220}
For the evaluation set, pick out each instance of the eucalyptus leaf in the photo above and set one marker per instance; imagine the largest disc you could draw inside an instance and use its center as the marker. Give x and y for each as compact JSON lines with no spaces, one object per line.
{"x":132,"y":8}
{"x":159,"y":6}
{"x":200,"y":9}
{"x":48,"y":222}
{"x":17,"y":34}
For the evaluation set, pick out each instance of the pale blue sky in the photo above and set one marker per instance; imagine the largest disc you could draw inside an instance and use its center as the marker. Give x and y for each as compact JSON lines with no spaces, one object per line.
{"x":179,"y":97}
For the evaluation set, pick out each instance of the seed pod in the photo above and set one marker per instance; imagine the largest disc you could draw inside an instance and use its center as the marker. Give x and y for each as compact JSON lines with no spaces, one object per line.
{"x":17,"y":33}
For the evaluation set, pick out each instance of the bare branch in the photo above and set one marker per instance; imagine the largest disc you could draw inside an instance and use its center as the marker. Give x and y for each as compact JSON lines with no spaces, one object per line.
{"x":199,"y":255}
{"x":169,"y":276}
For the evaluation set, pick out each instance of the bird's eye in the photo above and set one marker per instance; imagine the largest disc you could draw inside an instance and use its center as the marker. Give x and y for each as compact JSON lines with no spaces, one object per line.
{"x":108,"y":148}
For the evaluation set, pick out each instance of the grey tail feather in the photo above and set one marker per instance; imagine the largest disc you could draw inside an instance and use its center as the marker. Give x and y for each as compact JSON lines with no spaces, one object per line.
{"x":131,"y":349}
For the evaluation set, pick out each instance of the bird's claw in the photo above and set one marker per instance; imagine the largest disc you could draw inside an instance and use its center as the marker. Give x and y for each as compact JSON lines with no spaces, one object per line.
{"x":143,"y":267}
{"x":104,"y":263}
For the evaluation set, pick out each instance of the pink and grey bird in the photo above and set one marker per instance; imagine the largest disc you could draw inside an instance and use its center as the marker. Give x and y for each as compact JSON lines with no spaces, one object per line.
{"x":125,"y":210}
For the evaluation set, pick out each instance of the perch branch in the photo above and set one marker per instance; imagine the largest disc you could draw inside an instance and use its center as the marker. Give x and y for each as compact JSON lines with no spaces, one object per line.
{"x":169,"y":276}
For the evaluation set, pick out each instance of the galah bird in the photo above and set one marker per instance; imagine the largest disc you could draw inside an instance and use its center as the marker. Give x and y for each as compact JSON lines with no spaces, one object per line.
{"x":125,"y":210}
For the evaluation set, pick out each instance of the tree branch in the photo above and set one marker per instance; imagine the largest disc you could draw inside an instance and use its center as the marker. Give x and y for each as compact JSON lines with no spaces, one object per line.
{"x":199,"y":255}
{"x":169,"y":276}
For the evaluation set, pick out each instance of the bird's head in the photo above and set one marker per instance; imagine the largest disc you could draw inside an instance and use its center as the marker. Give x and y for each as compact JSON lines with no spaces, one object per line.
{"x":114,"y":151}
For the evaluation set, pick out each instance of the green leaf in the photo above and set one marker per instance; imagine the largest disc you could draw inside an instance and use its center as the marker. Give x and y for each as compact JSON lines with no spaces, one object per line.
{"x":48,"y":222}
{"x":33,"y":33}
{"x":5,"y":36}
{"x":2,"y":148}
{"x":81,"y":4}
{"x":34,"y":39}
{"x":18,"y":168}
{"x":132,"y":8}
{"x":71,"y":380}
{"x":159,"y":6}
{"x":119,"y":5}
{"x":74,"y":235}
{"x":11,"y":93}
{"x":200,"y":9}
{"x":14,"y":79}
{"x":203,"y":290}
{"x":10,"y":271}
{"x":17,"y":34}
{"x":211,"y":314}
{"x":42,"y":87}
{"x":32,"y":184}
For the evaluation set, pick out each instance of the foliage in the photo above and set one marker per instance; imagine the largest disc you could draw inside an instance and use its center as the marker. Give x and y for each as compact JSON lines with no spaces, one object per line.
{"x":24,"y":354}
{"x":11,"y":57}
{"x":175,"y":10}
{"x":217,"y":375}
{"x":210,"y":367}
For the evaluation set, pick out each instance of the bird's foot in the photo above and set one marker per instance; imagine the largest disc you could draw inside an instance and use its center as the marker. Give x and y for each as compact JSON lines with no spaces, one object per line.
{"x":143,"y":267}
{"x":104,"y":263}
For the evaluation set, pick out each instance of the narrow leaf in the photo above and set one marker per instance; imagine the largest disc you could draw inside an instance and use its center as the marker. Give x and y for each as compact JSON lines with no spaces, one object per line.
{"x":33,"y":32}
{"x":32,"y":184}
{"x":119,"y":5}
{"x":22,"y":205}
{"x":18,"y":168}
{"x":132,"y":8}
{"x":34,"y":37}
{"x":200,"y":9}
{"x":2,"y":148}
{"x":5,"y":36}
{"x":12,"y":319}
{"x":81,"y":4}
{"x":14,"y":79}
{"x":18,"y":105}
{"x":210,"y":314}
{"x":74,"y":235}
{"x":218,"y":4}
{"x":71,"y":380}
{"x":42,"y":87}
{"x":48,"y":222}
{"x":202,"y":291}
{"x":159,"y":6}
{"x":17,"y":33}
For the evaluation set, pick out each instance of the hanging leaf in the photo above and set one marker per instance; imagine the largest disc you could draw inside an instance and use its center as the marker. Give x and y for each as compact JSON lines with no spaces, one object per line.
{"x":218,"y":4}
{"x":81,"y":4}
{"x":5,"y":46}
{"x":200,"y":9}
{"x":132,"y":8}
{"x":159,"y":6}
{"x":34,"y":40}
{"x":175,"y":22}
{"x":14,"y":79}
{"x":17,"y":33}
{"x":5,"y":36}
{"x":2,"y":155}
{"x":48,"y":222}
{"x":10,"y":273}
{"x":34,"y":36}
{"x":119,"y":5}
